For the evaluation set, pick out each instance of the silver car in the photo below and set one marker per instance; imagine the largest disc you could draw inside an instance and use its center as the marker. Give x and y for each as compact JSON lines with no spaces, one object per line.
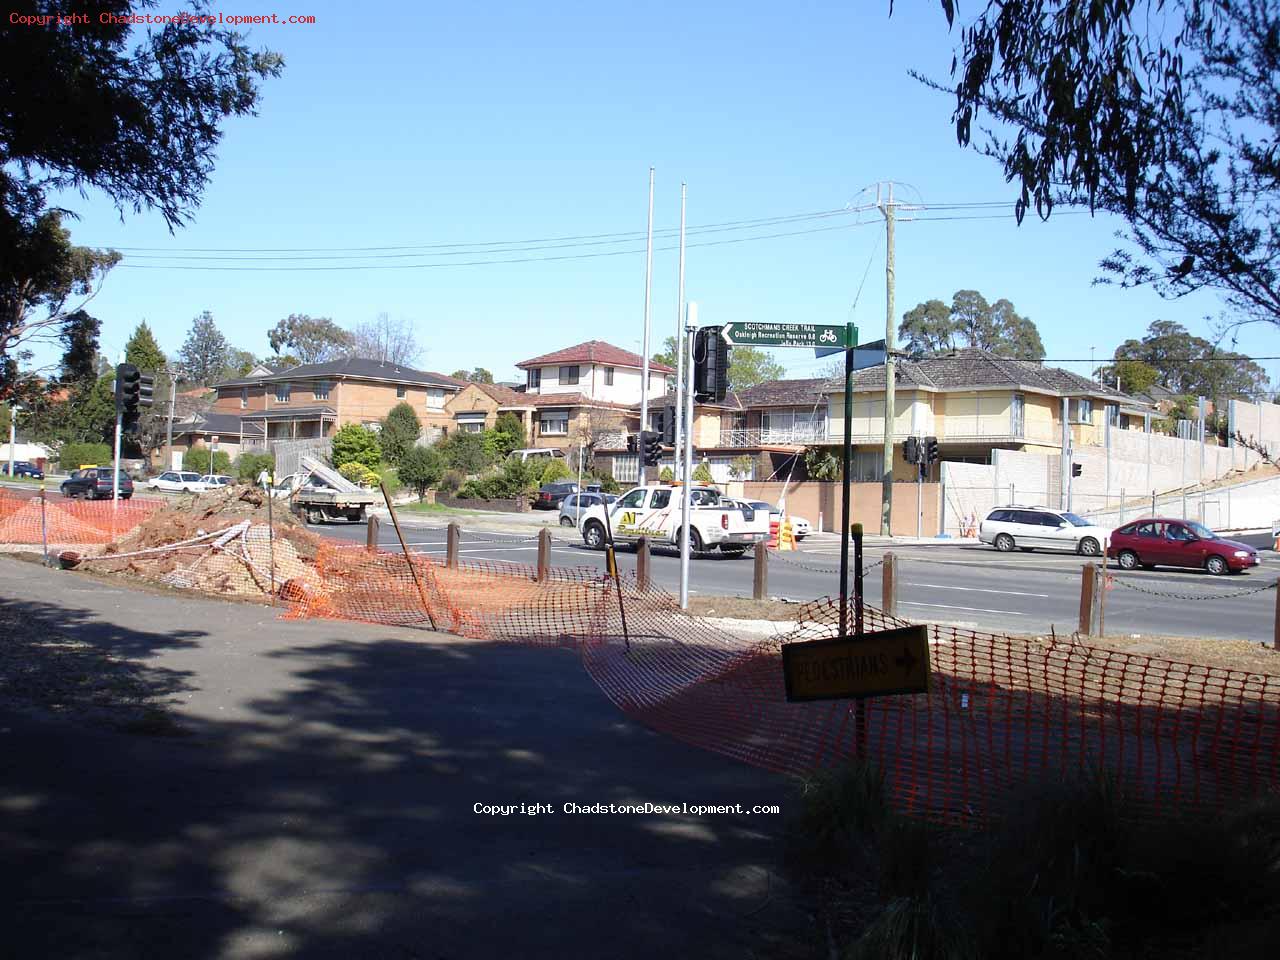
{"x":576,"y":504}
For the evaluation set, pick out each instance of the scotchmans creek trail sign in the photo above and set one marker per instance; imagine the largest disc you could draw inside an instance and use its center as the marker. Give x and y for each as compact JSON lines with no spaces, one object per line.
{"x":832,"y":335}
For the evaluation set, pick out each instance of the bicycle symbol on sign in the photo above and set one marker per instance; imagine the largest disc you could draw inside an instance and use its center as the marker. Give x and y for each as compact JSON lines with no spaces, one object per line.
{"x":827,"y":336}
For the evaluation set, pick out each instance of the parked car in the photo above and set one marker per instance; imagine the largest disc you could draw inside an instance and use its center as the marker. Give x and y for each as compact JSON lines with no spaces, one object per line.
{"x":1040,"y":528}
{"x":538,"y":453}
{"x":799,"y":525}
{"x":551,"y":495}
{"x":212,"y":480}
{"x":574,"y":505}
{"x":94,"y":483}
{"x":22,"y":468}
{"x":174,"y":481}
{"x":1178,"y":543}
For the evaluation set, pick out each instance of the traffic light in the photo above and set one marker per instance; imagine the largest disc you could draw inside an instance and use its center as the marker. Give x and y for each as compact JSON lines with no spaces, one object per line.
{"x":651,"y":447}
{"x":669,"y":426}
{"x":911,"y":450}
{"x":128,"y":393}
{"x":930,"y":451}
{"x":146,"y":390}
{"x":1077,"y":469}
{"x":710,"y":366}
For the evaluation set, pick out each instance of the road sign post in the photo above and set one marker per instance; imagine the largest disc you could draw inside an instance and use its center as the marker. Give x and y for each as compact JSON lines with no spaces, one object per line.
{"x":846,"y":460}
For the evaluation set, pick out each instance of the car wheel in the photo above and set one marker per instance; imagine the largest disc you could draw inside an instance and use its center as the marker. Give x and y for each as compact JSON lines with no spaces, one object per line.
{"x":1128,"y":560}
{"x":1004,"y":543}
{"x":593,"y":535}
{"x":566,"y":522}
{"x":315,"y":515}
{"x":695,"y":541}
{"x":1216,"y":566}
{"x":1089,"y":547}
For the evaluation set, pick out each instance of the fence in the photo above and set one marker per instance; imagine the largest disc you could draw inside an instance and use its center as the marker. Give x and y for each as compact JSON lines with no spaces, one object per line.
{"x":289,"y":453}
{"x":1001,"y":711}
{"x":31,"y":521}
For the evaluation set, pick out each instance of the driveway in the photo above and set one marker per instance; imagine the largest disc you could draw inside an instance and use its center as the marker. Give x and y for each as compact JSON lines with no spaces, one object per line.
{"x":321,"y":800}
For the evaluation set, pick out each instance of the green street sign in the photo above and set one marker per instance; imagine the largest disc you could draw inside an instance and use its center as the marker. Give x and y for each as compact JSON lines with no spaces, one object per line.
{"x":813,"y":335}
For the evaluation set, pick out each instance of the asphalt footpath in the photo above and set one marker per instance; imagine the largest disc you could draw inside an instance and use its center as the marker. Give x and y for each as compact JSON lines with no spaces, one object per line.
{"x":321,"y":798}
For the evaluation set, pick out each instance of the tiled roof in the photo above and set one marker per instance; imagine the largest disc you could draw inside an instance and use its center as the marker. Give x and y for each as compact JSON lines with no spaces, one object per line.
{"x":356,"y":368}
{"x":504,"y":395}
{"x":567,"y":400}
{"x":286,"y":412}
{"x":595,"y":351}
{"x":778,"y":393}
{"x":223,"y":424}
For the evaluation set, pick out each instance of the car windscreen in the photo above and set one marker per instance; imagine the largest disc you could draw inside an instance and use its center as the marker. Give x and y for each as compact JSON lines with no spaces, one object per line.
{"x":760,"y":505}
{"x":1200,"y":530}
{"x":1076,"y":521}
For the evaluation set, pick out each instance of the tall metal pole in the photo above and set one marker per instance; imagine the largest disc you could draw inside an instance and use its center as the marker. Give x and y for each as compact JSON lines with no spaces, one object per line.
{"x":680,"y":351}
{"x":845,"y":477}
{"x":168,"y":430}
{"x":13,"y":433}
{"x":886,"y":485}
{"x":691,"y":324}
{"x":648,"y":291}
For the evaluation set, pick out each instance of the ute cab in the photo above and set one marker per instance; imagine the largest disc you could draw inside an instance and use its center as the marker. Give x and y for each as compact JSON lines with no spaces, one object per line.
{"x":654,"y":512}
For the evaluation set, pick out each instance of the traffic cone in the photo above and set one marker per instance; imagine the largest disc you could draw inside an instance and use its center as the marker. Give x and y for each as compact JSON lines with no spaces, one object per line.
{"x":773,"y":535}
{"x":786,"y":538}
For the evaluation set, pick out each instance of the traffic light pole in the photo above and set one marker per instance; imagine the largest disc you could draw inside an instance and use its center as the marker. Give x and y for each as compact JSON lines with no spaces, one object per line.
{"x":851,"y":337}
{"x":691,"y":324}
{"x":115,"y":471}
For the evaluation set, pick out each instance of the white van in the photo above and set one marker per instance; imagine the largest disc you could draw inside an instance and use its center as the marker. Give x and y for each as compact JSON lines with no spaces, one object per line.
{"x":541,"y":453}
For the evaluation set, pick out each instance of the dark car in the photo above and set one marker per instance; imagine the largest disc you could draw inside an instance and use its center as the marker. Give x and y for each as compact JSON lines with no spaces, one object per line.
{"x":22,"y":468}
{"x":1161,"y":542}
{"x":94,"y":483}
{"x":551,"y":495}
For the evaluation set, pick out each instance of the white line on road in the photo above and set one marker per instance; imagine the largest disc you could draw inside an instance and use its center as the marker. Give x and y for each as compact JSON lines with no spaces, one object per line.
{"x":943,"y":586}
{"x":948,"y":606}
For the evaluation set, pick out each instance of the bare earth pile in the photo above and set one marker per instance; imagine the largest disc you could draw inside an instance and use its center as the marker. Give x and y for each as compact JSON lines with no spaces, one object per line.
{"x":239,"y":563}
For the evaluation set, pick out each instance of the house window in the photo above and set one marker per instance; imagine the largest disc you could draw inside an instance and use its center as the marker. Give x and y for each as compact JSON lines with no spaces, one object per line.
{"x":244,"y":397}
{"x":471,"y":426}
{"x":322,"y":390}
{"x":569,"y":375}
{"x":435,"y":398}
{"x":554,"y":424}
{"x":534,"y":378}
{"x":1080,"y":411}
{"x":282,"y":393}
{"x":608,"y":376}
{"x":400,"y":392}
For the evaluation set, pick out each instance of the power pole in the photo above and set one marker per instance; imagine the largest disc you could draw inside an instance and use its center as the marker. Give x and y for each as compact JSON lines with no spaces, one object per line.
{"x":886,"y":488}
{"x":680,"y":350}
{"x":648,"y":290}
{"x":168,"y":430}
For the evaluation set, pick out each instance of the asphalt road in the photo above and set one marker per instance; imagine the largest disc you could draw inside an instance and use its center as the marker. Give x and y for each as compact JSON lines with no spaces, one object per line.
{"x":967,"y":584}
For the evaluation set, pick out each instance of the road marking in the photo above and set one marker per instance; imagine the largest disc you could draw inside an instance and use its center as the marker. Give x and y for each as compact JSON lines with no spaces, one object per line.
{"x":948,"y":606}
{"x":1008,"y":593}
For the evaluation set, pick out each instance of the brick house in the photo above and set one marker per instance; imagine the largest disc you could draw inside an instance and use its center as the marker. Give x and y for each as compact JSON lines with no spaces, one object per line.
{"x":316,"y":399}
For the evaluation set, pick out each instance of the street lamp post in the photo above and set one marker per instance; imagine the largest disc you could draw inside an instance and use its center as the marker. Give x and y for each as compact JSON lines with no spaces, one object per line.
{"x":13,"y":424}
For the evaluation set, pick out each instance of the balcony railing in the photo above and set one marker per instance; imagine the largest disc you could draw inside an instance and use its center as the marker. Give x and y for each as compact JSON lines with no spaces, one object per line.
{"x":798,"y":435}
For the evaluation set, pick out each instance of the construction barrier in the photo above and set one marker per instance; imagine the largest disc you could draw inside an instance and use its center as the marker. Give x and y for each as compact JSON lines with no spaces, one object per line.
{"x":26,"y":521}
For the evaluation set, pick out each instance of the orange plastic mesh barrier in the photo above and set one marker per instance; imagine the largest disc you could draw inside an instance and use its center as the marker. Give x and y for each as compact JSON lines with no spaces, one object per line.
{"x":1002,"y":711}
{"x":70,"y":521}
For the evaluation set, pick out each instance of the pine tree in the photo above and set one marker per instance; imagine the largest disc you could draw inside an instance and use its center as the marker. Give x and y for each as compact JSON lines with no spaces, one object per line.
{"x":204,"y":353}
{"x":143,"y":351}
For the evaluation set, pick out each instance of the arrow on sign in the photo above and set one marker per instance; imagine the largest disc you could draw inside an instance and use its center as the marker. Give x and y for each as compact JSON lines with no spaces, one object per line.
{"x":906,"y":661}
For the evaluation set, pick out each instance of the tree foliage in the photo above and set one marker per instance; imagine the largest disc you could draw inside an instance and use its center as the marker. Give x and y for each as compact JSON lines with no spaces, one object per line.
{"x":1190,"y":365}
{"x":204,"y":354}
{"x":197,"y":460}
{"x":465,"y":452}
{"x":387,"y":340}
{"x":749,"y":366}
{"x":310,"y":339}
{"x":669,"y":353}
{"x":143,"y":351}
{"x":1164,"y":112}
{"x":510,"y":424}
{"x":421,"y":468}
{"x":932,"y":327}
{"x":400,"y":430}
{"x":478,"y":375}
{"x":353,"y":443}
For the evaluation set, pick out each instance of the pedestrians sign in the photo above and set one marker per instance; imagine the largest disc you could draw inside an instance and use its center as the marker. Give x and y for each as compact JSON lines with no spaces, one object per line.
{"x":872,"y":665}
{"x":833,"y":335}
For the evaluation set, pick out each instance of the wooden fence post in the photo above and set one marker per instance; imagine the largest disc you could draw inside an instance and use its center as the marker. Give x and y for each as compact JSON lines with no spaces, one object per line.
{"x":452,"y":536}
{"x":760,"y":582}
{"x":1088,"y":598}
{"x":371,"y":539}
{"x":889,"y":585}
{"x":544,"y":554}
{"x":642,"y":564}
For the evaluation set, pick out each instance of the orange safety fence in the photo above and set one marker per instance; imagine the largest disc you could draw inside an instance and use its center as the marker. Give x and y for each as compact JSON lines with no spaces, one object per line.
{"x":1002,"y":712}
{"x":23,"y":521}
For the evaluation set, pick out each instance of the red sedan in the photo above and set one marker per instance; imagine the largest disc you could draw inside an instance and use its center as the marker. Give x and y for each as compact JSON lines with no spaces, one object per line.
{"x":1178,"y":543}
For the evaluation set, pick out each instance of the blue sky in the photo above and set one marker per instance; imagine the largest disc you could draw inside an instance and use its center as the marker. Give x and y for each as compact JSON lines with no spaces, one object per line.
{"x":405,"y":124}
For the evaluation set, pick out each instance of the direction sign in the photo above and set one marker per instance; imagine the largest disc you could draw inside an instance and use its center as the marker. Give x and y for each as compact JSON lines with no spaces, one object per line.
{"x":833,"y":335}
{"x":872,"y":665}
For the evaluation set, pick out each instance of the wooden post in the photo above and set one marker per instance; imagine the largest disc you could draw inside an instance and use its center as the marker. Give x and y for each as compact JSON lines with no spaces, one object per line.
{"x":1088,"y":598}
{"x":452,"y":536}
{"x":371,"y":536}
{"x":544,"y":555}
{"x":889,"y":585}
{"x":760,"y":583}
{"x":642,"y":564}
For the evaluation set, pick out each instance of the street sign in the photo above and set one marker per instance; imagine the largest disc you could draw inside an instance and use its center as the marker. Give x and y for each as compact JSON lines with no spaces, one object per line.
{"x":873,"y":665}
{"x":832,"y":335}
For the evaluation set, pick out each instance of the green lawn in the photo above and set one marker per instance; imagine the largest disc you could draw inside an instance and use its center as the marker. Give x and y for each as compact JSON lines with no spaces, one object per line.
{"x":442,"y":509}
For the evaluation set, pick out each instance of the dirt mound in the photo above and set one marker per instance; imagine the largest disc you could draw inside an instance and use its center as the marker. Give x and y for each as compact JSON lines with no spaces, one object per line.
{"x":217,"y":510}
